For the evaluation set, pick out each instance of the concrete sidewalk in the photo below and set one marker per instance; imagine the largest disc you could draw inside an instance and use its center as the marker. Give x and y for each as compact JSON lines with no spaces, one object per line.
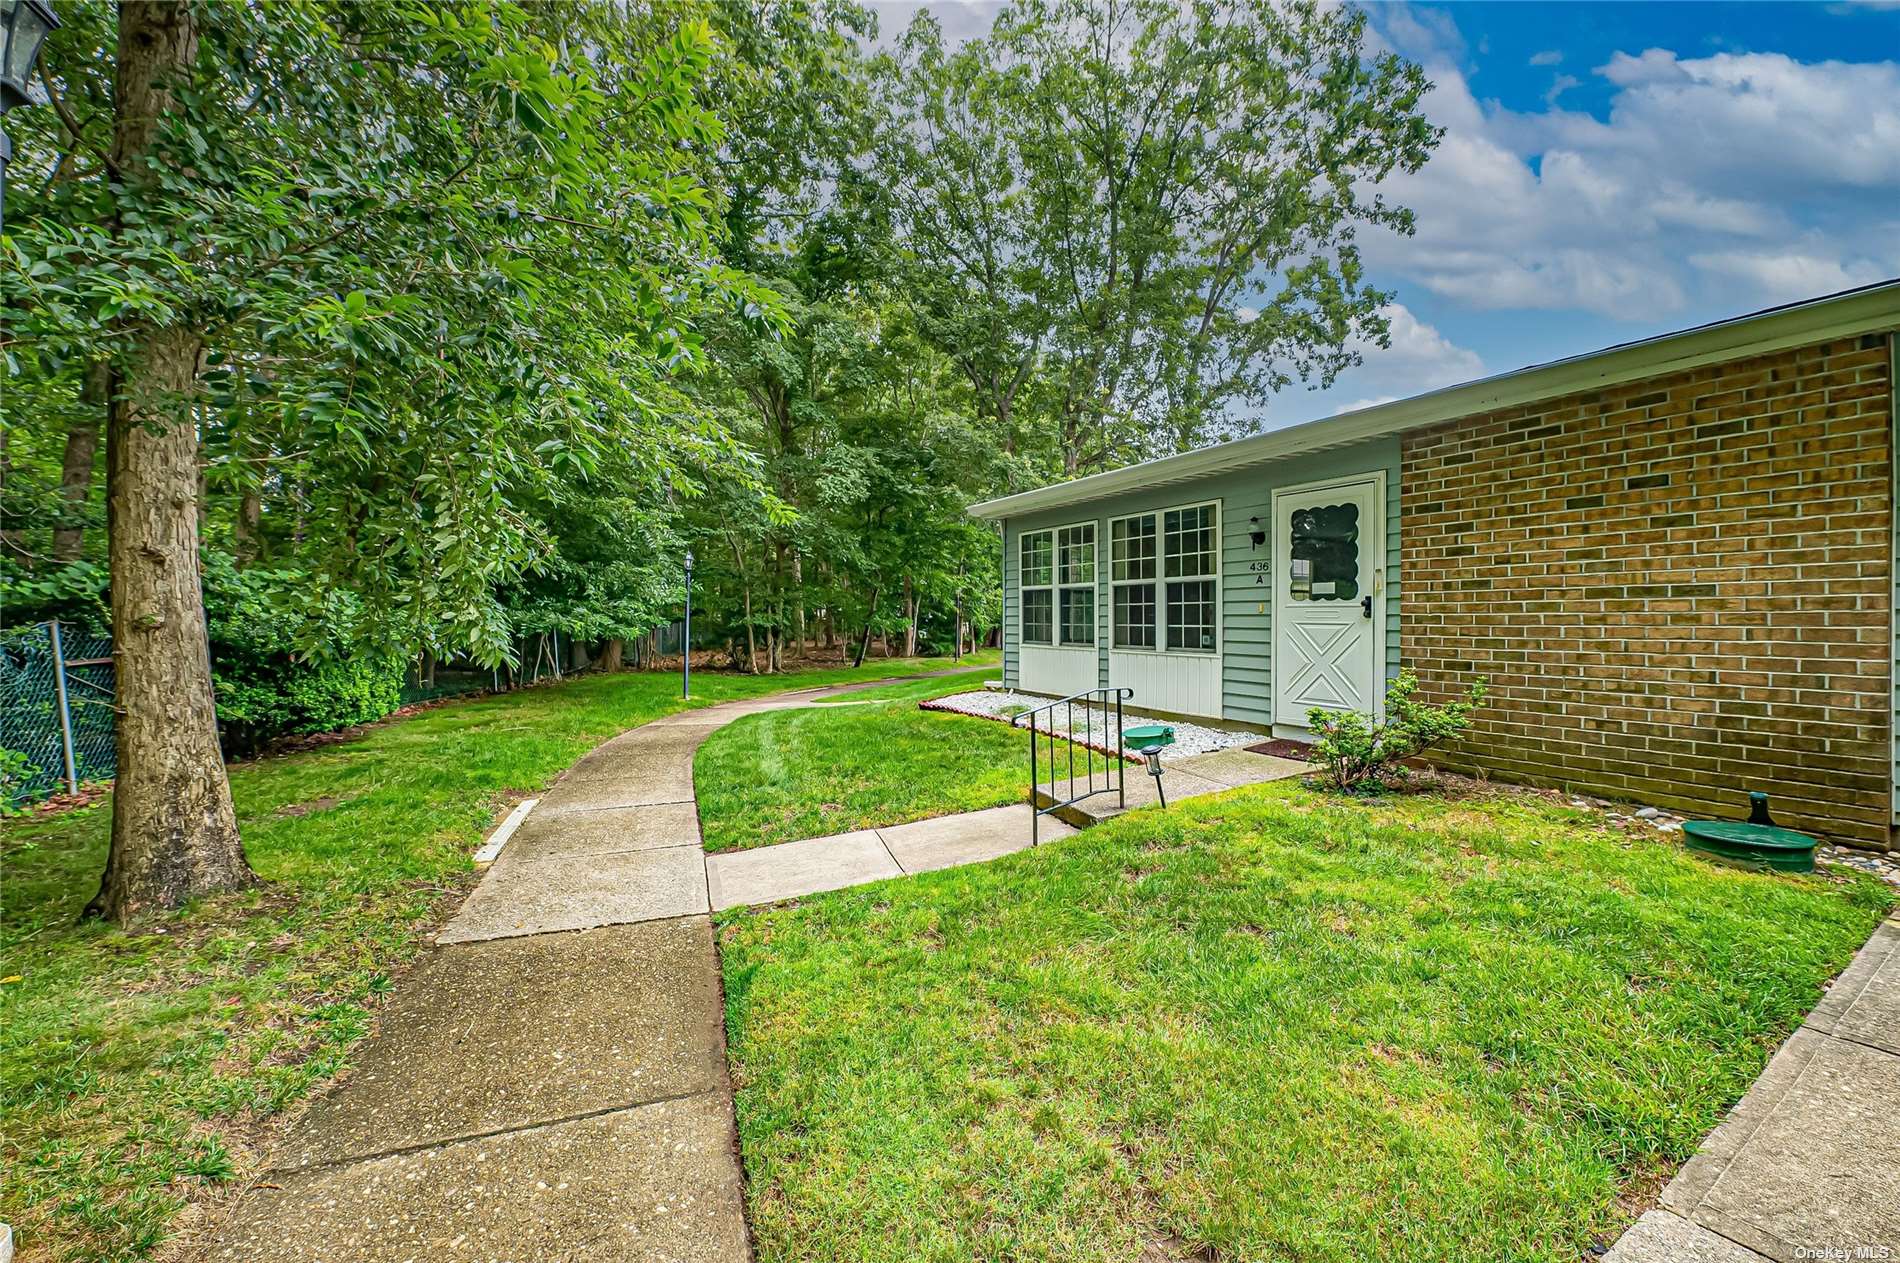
{"x":771,"y":874}
{"x":1807,"y":1166}
{"x":1192,"y":777}
{"x":550,"y":1082}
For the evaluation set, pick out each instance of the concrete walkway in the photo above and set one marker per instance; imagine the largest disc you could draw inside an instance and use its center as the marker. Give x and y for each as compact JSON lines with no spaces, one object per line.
{"x":549,"y":1084}
{"x":1807,"y":1166}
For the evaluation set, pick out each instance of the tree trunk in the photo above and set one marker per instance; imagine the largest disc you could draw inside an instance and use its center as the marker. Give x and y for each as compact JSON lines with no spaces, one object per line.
{"x":910,"y":619}
{"x":75,"y":467}
{"x":751,"y":634}
{"x":798,"y":603}
{"x":864,"y":641}
{"x":174,"y":833}
{"x":956,"y":632}
{"x":249,"y":528}
{"x":610,"y":655}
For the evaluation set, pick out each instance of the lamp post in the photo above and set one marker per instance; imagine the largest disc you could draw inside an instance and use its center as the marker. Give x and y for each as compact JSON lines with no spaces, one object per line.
{"x":24,"y":25}
{"x":686,"y":635}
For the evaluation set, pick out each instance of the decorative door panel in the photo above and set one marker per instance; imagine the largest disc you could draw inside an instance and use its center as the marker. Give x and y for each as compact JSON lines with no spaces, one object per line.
{"x":1328,"y":613}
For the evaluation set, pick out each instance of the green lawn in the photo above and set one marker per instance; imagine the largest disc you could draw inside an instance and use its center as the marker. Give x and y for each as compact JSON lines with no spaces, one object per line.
{"x":1265,"y":1025}
{"x":871,"y":759}
{"x":136,"y":1069}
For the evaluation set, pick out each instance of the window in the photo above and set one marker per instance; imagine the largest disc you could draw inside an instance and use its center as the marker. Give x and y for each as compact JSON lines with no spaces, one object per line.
{"x":1134,"y":616}
{"x":1323,"y":546}
{"x":1075,"y":577}
{"x":1188,"y":555}
{"x":1038,"y":573}
{"x":1164,"y":568}
{"x":1131,"y":569}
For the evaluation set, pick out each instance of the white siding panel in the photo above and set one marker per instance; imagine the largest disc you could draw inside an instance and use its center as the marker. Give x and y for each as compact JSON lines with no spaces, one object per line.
{"x":1185,"y":684}
{"x":1057,"y":671}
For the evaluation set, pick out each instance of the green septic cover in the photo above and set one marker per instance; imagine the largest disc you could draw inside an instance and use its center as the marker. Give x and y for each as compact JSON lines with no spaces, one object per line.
{"x":1767,"y":844}
{"x":1145,"y":735}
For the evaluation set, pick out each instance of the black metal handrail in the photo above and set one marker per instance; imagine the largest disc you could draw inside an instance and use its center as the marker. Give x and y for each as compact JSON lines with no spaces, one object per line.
{"x":1110,"y":696}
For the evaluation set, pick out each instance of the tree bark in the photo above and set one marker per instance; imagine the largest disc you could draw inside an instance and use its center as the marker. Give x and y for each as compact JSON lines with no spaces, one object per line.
{"x":174,"y":832}
{"x":75,"y":467}
{"x":798,"y":603}
{"x":910,"y":619}
{"x":864,"y":641}
{"x":610,"y":655}
{"x":249,"y":528}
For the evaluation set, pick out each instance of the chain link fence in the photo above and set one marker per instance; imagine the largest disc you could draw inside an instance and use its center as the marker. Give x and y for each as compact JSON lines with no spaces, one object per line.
{"x":56,"y":711}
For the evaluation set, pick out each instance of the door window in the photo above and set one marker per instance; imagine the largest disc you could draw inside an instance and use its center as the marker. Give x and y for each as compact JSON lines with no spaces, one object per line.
{"x":1324,"y":553}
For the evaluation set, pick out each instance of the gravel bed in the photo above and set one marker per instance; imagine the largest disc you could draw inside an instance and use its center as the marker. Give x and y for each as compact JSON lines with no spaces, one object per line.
{"x":1880,"y":866}
{"x":1005,"y":705}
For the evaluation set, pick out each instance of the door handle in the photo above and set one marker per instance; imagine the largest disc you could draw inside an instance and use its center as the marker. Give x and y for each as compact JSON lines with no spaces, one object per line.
{"x":1365,"y":606}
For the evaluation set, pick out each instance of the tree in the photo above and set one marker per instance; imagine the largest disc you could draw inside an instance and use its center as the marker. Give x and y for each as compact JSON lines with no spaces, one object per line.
{"x":1151,"y":205}
{"x":388,"y":276}
{"x":174,"y":830}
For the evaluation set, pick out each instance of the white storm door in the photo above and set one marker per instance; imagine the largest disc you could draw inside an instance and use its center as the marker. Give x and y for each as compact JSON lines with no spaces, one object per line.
{"x":1328,"y":606}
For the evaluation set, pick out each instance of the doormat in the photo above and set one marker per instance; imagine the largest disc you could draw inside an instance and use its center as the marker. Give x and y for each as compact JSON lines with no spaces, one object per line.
{"x":1282,"y":749}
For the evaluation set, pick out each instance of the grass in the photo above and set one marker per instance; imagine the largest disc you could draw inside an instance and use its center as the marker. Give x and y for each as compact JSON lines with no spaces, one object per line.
{"x":140,"y":1069}
{"x":790,"y":774}
{"x":1269,"y":1024}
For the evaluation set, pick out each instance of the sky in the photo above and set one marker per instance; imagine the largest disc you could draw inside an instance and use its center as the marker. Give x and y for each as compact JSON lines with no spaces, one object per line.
{"x":1612,"y":171}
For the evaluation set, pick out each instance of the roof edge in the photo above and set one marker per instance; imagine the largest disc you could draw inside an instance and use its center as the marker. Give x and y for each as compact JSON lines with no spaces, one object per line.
{"x":1868,"y":309}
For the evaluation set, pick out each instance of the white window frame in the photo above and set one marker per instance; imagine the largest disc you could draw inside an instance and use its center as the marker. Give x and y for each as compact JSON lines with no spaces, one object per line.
{"x":1023,"y":588}
{"x":1158,"y":585}
{"x":1092,"y":585}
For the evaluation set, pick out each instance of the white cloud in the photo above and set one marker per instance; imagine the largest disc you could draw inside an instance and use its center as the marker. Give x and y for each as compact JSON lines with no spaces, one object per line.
{"x":1419,"y":359}
{"x":1549,"y":57}
{"x":1785,"y":276}
{"x":1560,"y":85}
{"x":1712,"y":182}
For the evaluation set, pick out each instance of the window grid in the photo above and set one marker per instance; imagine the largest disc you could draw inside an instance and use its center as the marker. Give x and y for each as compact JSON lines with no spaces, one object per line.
{"x":1164,"y":568}
{"x":1038,"y":596}
{"x":1075,"y":576}
{"x":1134,"y":616}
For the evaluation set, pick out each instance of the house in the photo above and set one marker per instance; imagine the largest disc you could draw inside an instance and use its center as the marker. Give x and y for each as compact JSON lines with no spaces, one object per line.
{"x":1673,"y":561}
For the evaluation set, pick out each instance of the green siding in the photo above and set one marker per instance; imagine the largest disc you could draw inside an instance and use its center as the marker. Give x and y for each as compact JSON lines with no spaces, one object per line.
{"x":1011,"y":637}
{"x":1246,"y":630}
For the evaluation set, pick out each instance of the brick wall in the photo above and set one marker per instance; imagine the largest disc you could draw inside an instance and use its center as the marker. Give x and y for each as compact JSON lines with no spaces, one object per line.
{"x":1678,"y":589}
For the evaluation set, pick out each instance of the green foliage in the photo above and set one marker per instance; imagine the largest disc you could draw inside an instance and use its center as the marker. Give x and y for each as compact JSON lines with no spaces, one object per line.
{"x":16,"y":771}
{"x":74,"y":592}
{"x":446,"y":260}
{"x":1353,"y":753}
{"x":1126,"y":222}
{"x":271,"y":682}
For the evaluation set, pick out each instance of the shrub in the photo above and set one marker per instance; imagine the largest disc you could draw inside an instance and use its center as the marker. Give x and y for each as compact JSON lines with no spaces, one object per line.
{"x":285,"y":670}
{"x":1353,"y":753}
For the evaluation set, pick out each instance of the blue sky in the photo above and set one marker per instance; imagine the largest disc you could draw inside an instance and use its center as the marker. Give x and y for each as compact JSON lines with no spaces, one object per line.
{"x":1611,"y":171}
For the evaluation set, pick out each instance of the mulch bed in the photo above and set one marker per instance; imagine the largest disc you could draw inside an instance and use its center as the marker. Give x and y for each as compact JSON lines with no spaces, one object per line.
{"x":1283,"y":749}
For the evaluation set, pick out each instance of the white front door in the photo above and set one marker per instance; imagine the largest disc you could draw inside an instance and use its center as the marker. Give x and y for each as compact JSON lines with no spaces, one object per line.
{"x":1328,"y":599}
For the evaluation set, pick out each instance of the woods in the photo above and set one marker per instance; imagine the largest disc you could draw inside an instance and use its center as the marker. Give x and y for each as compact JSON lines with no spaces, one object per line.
{"x":412,"y":328}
